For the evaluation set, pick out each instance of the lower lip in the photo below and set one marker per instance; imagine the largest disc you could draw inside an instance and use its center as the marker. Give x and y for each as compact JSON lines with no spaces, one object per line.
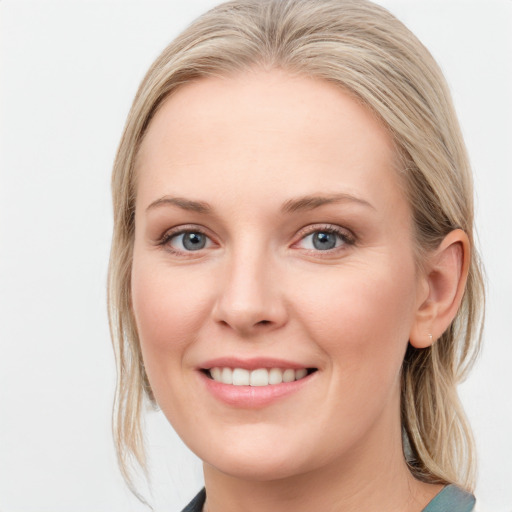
{"x":253,"y":397}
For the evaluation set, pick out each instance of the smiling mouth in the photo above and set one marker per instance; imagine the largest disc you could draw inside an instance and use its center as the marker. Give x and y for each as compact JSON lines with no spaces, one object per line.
{"x":258,"y":377}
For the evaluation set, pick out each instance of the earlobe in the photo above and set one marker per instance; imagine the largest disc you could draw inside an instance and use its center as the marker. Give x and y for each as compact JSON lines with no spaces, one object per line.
{"x":446,"y":270}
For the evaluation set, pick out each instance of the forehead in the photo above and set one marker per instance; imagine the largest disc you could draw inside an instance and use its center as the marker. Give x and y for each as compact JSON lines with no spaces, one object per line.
{"x":226,"y":136}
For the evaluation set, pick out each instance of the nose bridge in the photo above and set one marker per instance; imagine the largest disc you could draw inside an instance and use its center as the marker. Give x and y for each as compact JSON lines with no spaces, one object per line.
{"x":249,"y":298}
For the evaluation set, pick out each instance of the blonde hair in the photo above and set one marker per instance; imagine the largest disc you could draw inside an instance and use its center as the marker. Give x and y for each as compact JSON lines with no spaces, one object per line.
{"x":365,"y":50}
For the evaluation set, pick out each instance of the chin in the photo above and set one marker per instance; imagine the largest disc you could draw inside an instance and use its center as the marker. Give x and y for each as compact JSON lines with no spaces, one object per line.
{"x":273,"y":458}
{"x":257,"y":470}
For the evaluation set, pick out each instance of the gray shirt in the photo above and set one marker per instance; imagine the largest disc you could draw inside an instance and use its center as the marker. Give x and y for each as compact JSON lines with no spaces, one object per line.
{"x":450,"y":499}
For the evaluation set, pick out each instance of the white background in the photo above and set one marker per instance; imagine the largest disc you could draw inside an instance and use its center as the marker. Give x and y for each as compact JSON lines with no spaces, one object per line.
{"x":68,"y":73}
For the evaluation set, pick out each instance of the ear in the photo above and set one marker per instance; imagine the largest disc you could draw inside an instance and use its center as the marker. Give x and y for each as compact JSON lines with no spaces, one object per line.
{"x":445,"y":274}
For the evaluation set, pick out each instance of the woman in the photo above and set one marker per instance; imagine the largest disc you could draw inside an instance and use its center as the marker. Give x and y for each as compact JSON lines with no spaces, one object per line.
{"x":293,"y":278}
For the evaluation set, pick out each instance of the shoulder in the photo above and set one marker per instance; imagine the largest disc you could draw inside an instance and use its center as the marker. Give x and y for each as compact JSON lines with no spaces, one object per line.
{"x":452,"y":499}
{"x":196,"y":505}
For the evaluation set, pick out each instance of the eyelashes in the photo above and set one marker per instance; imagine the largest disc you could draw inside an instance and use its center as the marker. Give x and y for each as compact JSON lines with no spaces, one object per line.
{"x":189,"y":241}
{"x":193,"y":241}
{"x":324,"y":238}
{"x":186,"y":239}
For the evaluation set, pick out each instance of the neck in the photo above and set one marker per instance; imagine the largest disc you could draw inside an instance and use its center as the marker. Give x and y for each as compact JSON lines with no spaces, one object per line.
{"x":374,"y":477}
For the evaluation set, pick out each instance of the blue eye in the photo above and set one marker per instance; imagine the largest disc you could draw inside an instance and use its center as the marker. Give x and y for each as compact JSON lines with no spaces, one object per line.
{"x":189,"y":241}
{"x":323,"y":240}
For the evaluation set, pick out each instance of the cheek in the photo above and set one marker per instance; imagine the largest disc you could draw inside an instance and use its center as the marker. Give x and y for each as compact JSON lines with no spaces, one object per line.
{"x":360,"y":320}
{"x":362,"y":317}
{"x":168,"y":309}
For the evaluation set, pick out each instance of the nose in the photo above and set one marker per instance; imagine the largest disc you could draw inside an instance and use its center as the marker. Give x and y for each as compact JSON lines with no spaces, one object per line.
{"x":250,"y":296}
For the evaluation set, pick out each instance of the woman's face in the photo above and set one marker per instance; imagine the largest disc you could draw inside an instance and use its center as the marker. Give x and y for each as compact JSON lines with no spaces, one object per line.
{"x":273,"y":242}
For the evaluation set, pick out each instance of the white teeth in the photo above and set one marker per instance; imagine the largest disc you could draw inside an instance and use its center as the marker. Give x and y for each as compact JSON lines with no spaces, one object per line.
{"x":241,"y":377}
{"x":300,"y":374}
{"x":275,"y":376}
{"x":288,"y":375}
{"x":216,"y":374}
{"x":259,"y":377}
{"x":227,"y":376}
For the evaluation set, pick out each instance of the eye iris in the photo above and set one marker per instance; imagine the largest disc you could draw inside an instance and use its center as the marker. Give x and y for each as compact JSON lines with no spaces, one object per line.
{"x":324,"y":241}
{"x":194,"y":241}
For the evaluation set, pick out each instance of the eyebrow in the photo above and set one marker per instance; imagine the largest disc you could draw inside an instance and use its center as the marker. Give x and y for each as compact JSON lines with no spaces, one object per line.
{"x":181,"y":202}
{"x":315,"y":201}
{"x":303,"y":203}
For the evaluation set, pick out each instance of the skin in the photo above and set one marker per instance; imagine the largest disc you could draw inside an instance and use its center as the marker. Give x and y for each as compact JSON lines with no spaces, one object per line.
{"x":248,"y":145}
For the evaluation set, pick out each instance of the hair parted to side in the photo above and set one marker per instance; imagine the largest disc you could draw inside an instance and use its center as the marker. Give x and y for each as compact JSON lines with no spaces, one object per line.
{"x":365,"y":50}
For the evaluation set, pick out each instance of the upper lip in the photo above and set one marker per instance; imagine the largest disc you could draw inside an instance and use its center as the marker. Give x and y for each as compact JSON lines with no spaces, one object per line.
{"x":252,"y":363}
